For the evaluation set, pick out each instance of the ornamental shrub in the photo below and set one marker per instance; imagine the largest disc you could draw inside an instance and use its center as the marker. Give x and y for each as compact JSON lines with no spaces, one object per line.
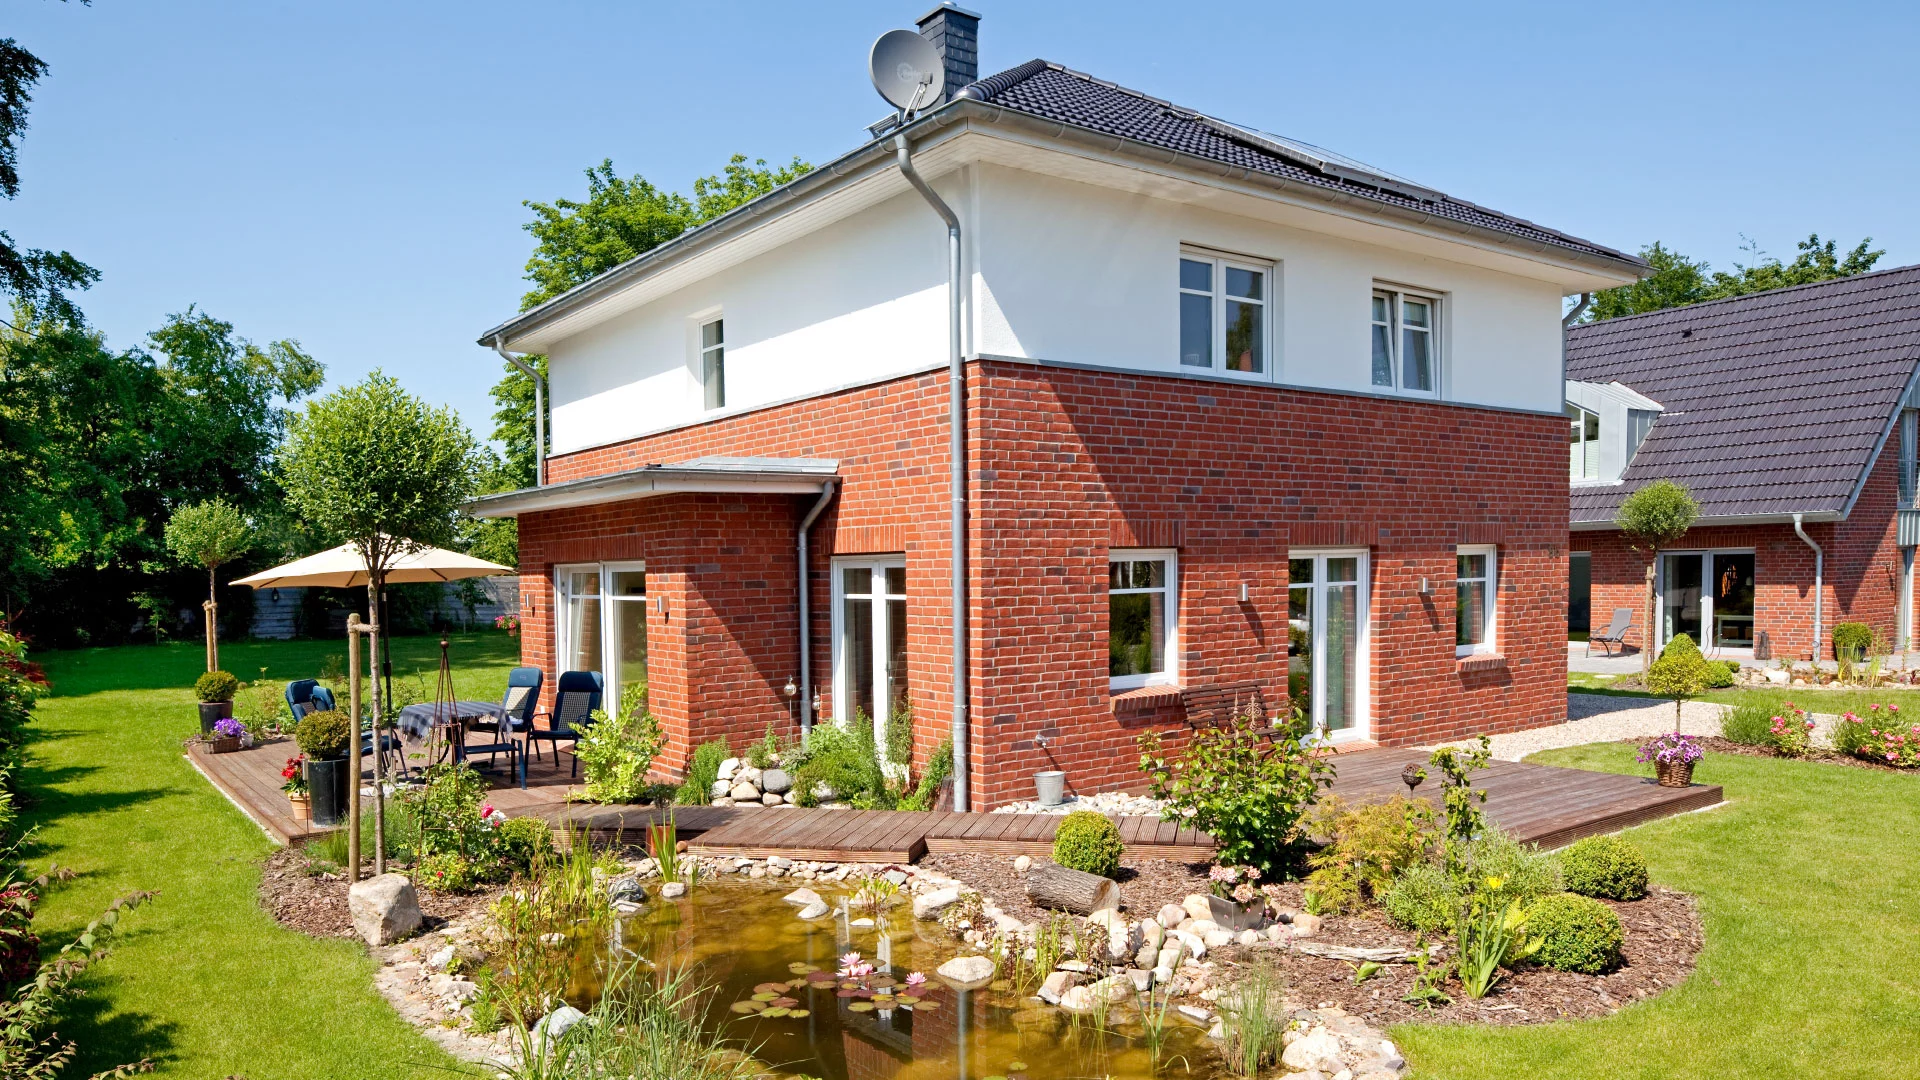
{"x":524,"y":842}
{"x":1248,"y":792}
{"x":615,"y":753}
{"x":445,"y":873}
{"x":1605,"y":866}
{"x":703,"y":772}
{"x":1851,"y":640}
{"x":216,"y":686}
{"x":1681,"y":673}
{"x":1367,"y":847}
{"x":448,"y":808}
{"x":324,"y":734}
{"x":1525,"y":872}
{"x":1422,"y":899}
{"x":1749,"y":724}
{"x":1575,"y":934}
{"x":1088,"y":841}
{"x":1720,"y":673}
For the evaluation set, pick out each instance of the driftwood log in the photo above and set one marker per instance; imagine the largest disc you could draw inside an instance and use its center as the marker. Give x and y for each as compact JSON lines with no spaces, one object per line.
{"x":1060,"y":888}
{"x":1384,"y":955}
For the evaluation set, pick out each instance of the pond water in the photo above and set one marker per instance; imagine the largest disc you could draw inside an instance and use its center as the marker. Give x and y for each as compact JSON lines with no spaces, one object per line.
{"x":778,"y":997}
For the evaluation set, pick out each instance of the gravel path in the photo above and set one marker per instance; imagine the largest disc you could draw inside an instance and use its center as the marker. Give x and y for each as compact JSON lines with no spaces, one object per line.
{"x":1593,"y":718}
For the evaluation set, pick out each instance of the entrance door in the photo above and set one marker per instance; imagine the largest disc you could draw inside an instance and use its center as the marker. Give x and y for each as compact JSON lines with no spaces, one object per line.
{"x":1326,"y":639}
{"x":870,"y":641}
{"x":1680,"y":598}
{"x":1579,"y":595}
{"x":1731,"y":600}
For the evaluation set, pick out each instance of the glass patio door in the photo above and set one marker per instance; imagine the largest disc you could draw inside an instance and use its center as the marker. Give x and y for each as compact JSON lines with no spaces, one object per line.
{"x":870,"y":641}
{"x":1708,"y":596}
{"x":1326,"y":634}
{"x":602,"y":624}
{"x":1680,"y":610}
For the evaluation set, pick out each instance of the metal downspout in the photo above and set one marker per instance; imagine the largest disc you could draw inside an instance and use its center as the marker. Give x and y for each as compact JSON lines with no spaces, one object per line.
{"x":1819,"y":582}
{"x":957,"y":472}
{"x":539,"y":411}
{"x":1579,"y":309}
{"x":806,"y":652}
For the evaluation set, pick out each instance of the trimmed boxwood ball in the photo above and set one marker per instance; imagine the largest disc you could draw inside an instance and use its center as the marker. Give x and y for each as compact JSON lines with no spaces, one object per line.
{"x":1088,"y":841}
{"x":323,"y":735}
{"x":1575,"y":934}
{"x":216,"y":686}
{"x":1605,"y":866}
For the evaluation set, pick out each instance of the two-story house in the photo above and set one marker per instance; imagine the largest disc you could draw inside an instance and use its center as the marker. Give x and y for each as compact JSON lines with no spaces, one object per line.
{"x":1239,"y":413}
{"x":1791,"y":417}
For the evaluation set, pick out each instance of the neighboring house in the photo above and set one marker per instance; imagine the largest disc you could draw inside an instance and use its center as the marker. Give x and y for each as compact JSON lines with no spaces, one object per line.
{"x":1783,"y":407}
{"x":1241,"y":416}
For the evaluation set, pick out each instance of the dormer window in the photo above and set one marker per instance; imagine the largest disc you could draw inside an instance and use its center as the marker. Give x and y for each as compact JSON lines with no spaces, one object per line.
{"x":1583,"y":443}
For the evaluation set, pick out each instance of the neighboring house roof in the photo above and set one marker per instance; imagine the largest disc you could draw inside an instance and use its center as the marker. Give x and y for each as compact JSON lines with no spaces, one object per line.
{"x":1047,"y":90}
{"x":1056,"y":102}
{"x":1776,"y":402}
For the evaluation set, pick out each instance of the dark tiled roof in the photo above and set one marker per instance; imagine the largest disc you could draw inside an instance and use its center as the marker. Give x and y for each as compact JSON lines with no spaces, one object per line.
{"x":1774,"y":402}
{"x":1047,"y":90}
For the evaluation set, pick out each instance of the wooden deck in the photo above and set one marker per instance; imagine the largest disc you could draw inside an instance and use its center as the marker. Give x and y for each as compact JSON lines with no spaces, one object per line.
{"x":1538,"y":804}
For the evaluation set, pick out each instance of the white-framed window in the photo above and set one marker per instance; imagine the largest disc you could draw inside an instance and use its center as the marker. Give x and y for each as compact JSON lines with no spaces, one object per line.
{"x":869,"y":639}
{"x":1583,"y":443}
{"x":1476,"y":598}
{"x":1143,"y":614}
{"x":713,"y":363}
{"x":602,"y":623}
{"x":1909,"y":457}
{"x":1327,"y":598}
{"x":1226,"y":312}
{"x":1406,"y":341}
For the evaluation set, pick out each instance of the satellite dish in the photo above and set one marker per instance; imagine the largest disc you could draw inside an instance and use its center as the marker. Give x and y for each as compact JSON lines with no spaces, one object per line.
{"x":906,"y":70}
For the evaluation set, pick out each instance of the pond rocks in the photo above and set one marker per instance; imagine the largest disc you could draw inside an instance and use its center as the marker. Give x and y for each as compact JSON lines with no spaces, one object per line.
{"x":802,"y":898}
{"x":729,"y":767}
{"x":930,"y":905}
{"x":1305,"y":925}
{"x":1057,"y":984}
{"x":1170,"y":916}
{"x":966,"y":972}
{"x":556,"y":1024}
{"x":1022,"y":863}
{"x":1198,"y":906}
{"x":812,"y":911}
{"x":776,"y":781}
{"x":626,"y":890}
{"x":673,"y":890}
{"x":770,"y":799}
{"x":1318,"y":1049}
{"x":384,"y":908}
{"x":744,"y":792}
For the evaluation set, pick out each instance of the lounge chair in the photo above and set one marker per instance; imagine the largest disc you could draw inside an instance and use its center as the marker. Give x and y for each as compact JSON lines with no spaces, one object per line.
{"x":1614,"y":634}
{"x":575,"y":697}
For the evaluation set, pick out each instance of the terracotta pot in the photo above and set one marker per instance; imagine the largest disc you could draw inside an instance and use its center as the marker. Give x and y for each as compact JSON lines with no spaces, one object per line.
{"x":301,"y":806}
{"x":226,"y":746}
{"x":1674,"y":773}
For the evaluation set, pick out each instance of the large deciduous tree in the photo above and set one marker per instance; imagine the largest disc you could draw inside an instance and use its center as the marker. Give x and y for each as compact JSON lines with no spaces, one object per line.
{"x":575,"y":241}
{"x":1677,"y":281}
{"x":209,"y":535}
{"x":40,"y":278}
{"x":1654,"y":517}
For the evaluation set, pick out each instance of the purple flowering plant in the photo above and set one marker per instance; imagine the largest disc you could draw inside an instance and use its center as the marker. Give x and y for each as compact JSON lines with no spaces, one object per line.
{"x":228,"y":728}
{"x":1671,"y":749}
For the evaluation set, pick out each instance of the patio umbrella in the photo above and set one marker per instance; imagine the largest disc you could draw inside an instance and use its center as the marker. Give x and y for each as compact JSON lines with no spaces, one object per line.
{"x":345,"y":567}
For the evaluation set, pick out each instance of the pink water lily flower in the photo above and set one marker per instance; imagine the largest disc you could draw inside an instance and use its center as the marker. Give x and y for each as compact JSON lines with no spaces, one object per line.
{"x":915,"y":980}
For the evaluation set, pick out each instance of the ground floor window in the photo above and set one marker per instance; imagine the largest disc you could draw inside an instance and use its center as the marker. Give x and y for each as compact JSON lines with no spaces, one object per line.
{"x":1708,"y":596}
{"x":869,"y":640}
{"x":602,"y":622}
{"x":1326,"y":639}
{"x":1142,"y":586}
{"x":1476,"y":599}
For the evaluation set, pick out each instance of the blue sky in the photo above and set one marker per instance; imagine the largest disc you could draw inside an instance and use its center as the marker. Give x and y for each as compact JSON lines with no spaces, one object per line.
{"x":351,"y":174}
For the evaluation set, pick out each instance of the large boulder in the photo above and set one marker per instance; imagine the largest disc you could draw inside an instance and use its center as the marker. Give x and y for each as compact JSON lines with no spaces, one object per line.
{"x":384,"y":908}
{"x":556,"y":1024}
{"x":776,"y":781}
{"x":1318,"y":1050}
{"x":744,"y":792}
{"x":728,"y":768}
{"x":930,"y":905}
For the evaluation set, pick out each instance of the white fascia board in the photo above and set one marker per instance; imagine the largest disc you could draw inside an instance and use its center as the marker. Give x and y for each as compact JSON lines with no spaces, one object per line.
{"x":646,"y":484}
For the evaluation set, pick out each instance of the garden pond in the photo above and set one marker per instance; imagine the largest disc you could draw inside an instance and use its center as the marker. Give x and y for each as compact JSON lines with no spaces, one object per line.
{"x":780,"y":992}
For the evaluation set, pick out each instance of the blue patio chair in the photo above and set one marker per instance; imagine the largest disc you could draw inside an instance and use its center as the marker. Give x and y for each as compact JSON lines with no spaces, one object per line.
{"x":307,"y":695}
{"x":522,"y":697}
{"x":575,"y":697}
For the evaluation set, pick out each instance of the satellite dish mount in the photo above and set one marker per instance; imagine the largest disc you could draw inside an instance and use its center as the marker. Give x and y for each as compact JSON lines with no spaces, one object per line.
{"x":907,"y":71}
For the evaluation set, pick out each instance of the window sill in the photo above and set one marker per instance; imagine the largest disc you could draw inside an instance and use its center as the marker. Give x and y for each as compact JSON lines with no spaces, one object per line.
{"x":1481,"y":662}
{"x":1144,"y":699}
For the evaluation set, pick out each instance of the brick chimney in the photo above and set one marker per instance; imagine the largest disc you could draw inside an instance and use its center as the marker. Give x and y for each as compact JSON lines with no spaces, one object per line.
{"x":955,"y":34}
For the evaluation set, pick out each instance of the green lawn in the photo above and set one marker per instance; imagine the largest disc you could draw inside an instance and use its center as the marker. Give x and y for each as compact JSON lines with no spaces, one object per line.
{"x":201,"y":980}
{"x":1821,"y":699}
{"x":1807,"y":882}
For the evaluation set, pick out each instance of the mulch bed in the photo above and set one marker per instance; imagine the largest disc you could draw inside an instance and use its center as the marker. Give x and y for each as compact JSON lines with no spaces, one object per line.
{"x":315,"y":903}
{"x":1717,"y":745}
{"x":1663,"y":938}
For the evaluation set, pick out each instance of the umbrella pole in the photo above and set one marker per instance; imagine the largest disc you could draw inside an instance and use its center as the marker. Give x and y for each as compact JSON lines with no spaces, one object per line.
{"x":354,"y":627}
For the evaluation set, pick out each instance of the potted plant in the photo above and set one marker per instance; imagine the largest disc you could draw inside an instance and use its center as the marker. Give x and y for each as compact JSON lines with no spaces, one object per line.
{"x":215,"y":690}
{"x":324,"y":738}
{"x":298,"y":796}
{"x":227,"y":735}
{"x":1673,"y":756}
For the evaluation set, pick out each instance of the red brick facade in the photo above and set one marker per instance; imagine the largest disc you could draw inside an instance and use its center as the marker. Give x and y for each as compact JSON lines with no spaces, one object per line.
{"x":1066,"y":465}
{"x":1862,"y":572}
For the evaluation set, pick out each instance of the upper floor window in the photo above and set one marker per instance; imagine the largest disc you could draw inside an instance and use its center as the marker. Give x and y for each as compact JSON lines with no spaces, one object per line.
{"x":1406,"y":342}
{"x":1141,"y":589}
{"x":1583,"y":443}
{"x":1474,"y":599}
{"x":713,"y":363}
{"x":1223,"y":314}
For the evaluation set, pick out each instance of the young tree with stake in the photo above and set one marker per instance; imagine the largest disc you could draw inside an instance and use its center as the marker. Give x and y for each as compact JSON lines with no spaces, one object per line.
{"x":1654,"y":517}
{"x":374,"y":465}
{"x":209,"y":534}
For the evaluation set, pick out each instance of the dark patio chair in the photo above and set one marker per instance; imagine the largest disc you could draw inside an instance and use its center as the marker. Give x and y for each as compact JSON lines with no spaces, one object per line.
{"x":522,"y":697}
{"x":575,"y":697}
{"x":1614,"y":634}
{"x":307,"y":695}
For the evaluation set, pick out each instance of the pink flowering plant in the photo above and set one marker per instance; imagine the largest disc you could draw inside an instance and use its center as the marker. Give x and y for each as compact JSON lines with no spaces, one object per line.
{"x":1881,"y":737}
{"x":1670,"y":749}
{"x":1791,"y":731}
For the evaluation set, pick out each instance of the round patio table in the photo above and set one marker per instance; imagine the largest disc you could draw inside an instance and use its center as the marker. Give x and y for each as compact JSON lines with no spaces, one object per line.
{"x":421,"y":720}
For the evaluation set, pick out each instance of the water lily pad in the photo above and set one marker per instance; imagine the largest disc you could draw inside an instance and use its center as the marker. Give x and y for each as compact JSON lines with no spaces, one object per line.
{"x":849,"y":984}
{"x":880,"y":982}
{"x":860,"y":1006}
{"x":924,"y":1006}
{"x":791,"y":1013}
{"x":799,"y":967}
{"x":770,"y":988}
{"x":776,"y":1011}
{"x":907,"y":999}
{"x":1016,"y":1066}
{"x":820,"y":978}
{"x":785,"y":1002}
{"x":844,"y":994}
{"x":765,"y":997}
{"x":746,"y":1006}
